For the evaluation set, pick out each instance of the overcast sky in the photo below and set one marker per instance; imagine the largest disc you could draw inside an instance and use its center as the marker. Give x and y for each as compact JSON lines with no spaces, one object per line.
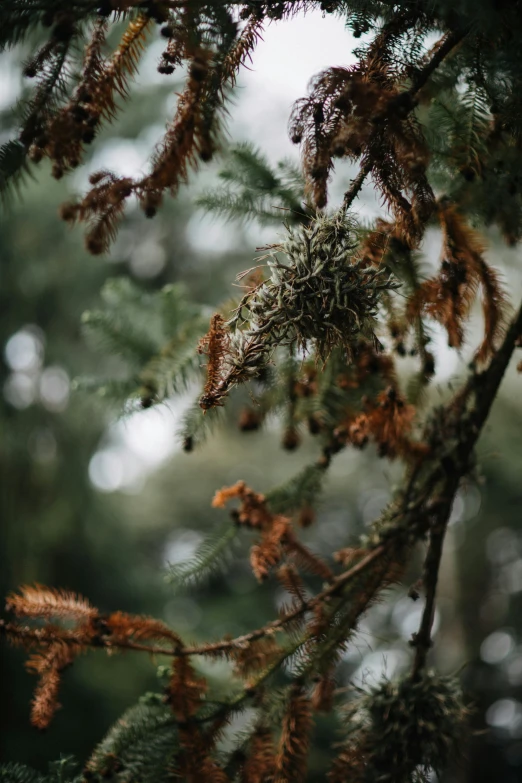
{"x":291,"y":53}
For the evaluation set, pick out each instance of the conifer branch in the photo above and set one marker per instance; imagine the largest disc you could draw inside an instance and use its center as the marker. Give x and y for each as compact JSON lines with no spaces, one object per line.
{"x":423,"y":507}
{"x":357,"y":183}
{"x":404,"y":103}
{"x":308,"y":335}
{"x":441,"y":50}
{"x":422,"y":639}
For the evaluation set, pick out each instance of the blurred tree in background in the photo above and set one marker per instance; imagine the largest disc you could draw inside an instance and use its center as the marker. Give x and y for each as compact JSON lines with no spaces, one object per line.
{"x":97,"y":505}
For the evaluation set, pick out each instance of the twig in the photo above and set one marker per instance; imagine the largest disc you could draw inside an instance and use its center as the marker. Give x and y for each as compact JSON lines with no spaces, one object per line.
{"x":357,"y":183}
{"x":422,"y":639}
{"x":405,"y":101}
{"x":444,"y":47}
{"x":41,"y":636}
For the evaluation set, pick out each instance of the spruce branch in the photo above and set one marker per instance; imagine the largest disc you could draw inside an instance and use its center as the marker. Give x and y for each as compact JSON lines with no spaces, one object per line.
{"x":328,"y":302}
{"x":210,"y":558}
{"x":403,"y":103}
{"x":423,"y":507}
{"x":406,"y":520}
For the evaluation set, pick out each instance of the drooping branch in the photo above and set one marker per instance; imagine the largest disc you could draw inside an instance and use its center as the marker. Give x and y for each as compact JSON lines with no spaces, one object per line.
{"x":403,"y":103}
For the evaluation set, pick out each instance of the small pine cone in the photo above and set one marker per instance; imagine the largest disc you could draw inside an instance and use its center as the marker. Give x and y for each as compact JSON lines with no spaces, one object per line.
{"x":68,"y":212}
{"x":94,"y":245}
{"x":57,"y":171}
{"x":314,"y":424}
{"x":150,"y":204}
{"x":206,"y":151}
{"x":249,"y":420}
{"x":147,"y":398}
{"x":166,"y":69}
{"x":414,"y":590}
{"x":519,"y":367}
{"x":468,"y":173}
{"x":88,"y":136}
{"x":428,"y":367}
{"x":35,"y":154}
{"x":291,"y":439}
{"x":306,"y":516}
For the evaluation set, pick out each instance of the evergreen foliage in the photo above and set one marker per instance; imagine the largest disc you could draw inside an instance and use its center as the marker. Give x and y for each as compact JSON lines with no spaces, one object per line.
{"x":209,"y":559}
{"x":63,"y":771}
{"x":142,"y":745}
{"x":18,"y":773}
{"x":154,"y":334}
{"x":317,"y":336}
{"x":12,"y":166}
{"x":254,"y":190}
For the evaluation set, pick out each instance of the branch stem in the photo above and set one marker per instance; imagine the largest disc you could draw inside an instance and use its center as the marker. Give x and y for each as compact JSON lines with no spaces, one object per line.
{"x":484,"y":387}
{"x":422,"y":639}
{"x":357,"y":183}
{"x":405,"y":100}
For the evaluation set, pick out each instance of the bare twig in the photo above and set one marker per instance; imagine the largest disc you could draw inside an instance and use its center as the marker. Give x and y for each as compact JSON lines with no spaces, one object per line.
{"x":422,"y":639}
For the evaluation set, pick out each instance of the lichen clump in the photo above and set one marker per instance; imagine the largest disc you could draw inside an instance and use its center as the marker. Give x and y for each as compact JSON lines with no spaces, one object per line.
{"x":321,"y":293}
{"x":402,"y":731}
{"x":323,"y":296}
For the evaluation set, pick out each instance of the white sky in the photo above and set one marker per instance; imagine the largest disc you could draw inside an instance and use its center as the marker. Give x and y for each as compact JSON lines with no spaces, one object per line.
{"x":291,"y":53}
